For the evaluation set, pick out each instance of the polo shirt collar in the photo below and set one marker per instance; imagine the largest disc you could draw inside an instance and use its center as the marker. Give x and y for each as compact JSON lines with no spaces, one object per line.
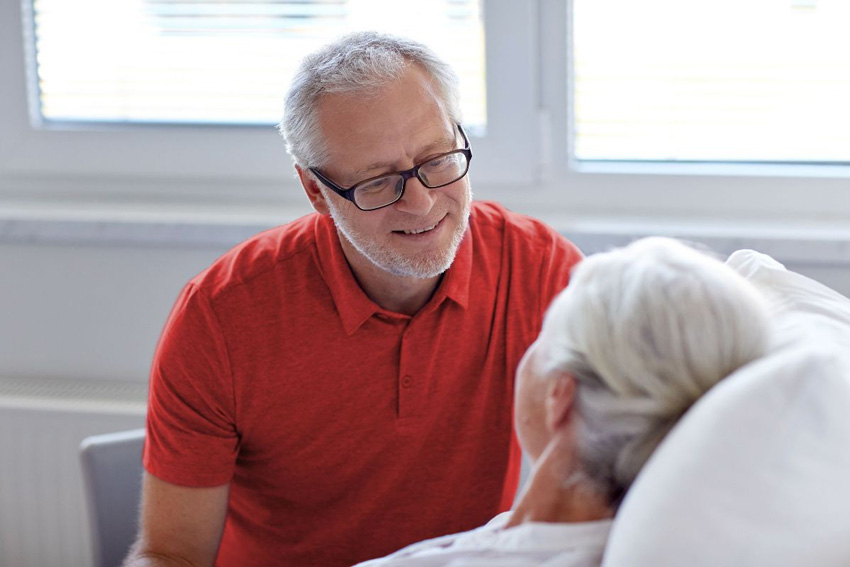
{"x":352,"y":303}
{"x":455,"y":284}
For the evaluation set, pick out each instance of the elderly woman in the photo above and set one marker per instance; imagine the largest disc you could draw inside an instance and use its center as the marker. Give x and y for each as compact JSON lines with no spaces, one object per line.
{"x":638,"y":336}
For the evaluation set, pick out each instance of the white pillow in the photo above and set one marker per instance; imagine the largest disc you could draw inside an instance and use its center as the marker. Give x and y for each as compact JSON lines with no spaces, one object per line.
{"x":804,"y":308}
{"x":758,"y":472}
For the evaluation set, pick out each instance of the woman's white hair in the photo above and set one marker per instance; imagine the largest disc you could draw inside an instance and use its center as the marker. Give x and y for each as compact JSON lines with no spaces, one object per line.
{"x":357,"y":63}
{"x":646,"y":330}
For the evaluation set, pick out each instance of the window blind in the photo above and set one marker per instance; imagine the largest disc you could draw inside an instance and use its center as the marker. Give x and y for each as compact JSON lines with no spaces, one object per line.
{"x":712,"y":80}
{"x":222,"y":61}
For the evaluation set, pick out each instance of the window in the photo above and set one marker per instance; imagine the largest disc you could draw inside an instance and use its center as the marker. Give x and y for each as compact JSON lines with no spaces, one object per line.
{"x":49,"y":142}
{"x":585,"y":108}
{"x":202,"y":61}
{"x":720,"y":80}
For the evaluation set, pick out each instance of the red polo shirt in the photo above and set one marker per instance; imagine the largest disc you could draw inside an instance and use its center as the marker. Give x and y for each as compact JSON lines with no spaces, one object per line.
{"x":348,"y":431}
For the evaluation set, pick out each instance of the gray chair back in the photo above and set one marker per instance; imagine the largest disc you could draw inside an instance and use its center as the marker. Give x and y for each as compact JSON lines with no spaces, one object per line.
{"x":112,"y":476}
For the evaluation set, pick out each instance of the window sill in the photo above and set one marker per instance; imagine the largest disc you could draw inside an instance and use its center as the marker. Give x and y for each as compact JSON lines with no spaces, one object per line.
{"x":222,"y":226}
{"x":179,"y":225}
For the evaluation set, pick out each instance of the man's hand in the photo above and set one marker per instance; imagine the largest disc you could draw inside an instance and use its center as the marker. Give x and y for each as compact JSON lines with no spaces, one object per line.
{"x":179,"y":526}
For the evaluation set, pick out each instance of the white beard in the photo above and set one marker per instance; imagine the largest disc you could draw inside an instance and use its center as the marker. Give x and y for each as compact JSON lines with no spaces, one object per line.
{"x":424,"y":266}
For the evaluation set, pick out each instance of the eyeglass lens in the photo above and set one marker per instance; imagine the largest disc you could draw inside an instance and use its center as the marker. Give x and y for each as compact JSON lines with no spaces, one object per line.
{"x":440,"y":171}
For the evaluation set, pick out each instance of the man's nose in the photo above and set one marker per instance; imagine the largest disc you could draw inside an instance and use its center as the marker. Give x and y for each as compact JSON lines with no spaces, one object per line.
{"x":417,"y":198}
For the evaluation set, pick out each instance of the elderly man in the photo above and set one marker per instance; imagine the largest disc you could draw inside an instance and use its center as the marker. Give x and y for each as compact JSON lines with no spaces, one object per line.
{"x":638,"y":337}
{"x":340,"y":386}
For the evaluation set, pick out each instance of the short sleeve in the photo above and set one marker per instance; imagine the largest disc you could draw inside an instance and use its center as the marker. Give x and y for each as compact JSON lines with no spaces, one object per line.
{"x":562,"y":256}
{"x":192,"y":437}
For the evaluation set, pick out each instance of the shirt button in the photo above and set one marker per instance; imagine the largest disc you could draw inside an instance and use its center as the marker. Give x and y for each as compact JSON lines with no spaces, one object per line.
{"x":407,"y":382}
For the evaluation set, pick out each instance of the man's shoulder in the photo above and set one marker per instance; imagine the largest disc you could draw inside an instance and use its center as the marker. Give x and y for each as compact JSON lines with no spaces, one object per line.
{"x":291,"y":242}
{"x":493,"y":221}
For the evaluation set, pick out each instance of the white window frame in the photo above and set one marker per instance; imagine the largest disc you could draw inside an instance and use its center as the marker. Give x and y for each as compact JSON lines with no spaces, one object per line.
{"x":523,"y":159}
{"x":568,"y":191}
{"x":251,"y":159}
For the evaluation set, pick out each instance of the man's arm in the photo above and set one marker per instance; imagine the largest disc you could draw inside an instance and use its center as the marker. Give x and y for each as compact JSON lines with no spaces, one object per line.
{"x":179,"y":526}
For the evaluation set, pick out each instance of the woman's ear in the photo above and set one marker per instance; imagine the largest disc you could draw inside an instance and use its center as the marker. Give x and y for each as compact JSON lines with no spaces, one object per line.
{"x":560,"y":400}
{"x":314,"y":193}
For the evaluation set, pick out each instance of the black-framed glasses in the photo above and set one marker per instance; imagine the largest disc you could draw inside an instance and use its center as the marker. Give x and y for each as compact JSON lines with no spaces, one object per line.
{"x":384,"y":190}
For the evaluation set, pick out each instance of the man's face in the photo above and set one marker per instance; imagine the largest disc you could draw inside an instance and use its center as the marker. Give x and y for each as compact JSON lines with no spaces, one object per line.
{"x":402,"y":125}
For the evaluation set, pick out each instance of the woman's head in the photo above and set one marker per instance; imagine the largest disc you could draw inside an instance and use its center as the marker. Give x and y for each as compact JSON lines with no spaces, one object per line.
{"x":644,"y":331}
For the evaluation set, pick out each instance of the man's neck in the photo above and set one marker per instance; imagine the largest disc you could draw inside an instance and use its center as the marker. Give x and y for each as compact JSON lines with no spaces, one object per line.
{"x":399,"y":294}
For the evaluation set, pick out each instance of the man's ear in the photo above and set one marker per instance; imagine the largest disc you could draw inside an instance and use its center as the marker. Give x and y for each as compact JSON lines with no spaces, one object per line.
{"x":314,"y":193}
{"x":560,"y":400}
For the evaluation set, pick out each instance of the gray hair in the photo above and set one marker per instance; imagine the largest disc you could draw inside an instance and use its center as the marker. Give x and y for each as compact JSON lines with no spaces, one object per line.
{"x":357,"y":63}
{"x":646,"y":330}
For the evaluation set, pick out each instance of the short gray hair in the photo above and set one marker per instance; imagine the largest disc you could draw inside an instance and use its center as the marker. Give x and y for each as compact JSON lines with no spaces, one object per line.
{"x":357,"y":63}
{"x":646,"y":330}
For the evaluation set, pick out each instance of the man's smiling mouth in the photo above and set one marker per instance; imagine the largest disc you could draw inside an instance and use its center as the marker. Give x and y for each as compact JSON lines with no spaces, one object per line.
{"x":421,"y":230}
{"x":414,"y":231}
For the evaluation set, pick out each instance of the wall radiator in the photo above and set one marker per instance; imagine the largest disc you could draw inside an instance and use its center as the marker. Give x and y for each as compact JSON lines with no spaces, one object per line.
{"x":43,"y":517}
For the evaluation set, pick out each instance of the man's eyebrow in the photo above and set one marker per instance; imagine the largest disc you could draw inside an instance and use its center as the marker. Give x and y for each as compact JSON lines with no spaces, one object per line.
{"x":447,"y":142}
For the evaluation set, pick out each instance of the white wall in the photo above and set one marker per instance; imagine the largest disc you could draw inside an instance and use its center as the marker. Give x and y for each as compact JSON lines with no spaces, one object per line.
{"x":88,"y":311}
